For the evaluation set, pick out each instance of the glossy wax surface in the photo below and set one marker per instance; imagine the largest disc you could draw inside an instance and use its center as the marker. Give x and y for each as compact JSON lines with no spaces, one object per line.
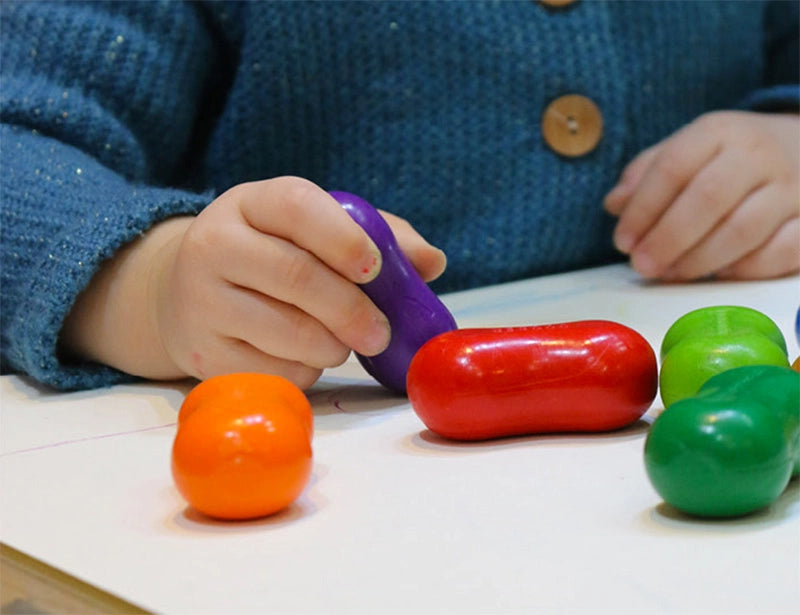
{"x":414,"y":311}
{"x":243,"y":445}
{"x":475,"y":384}
{"x":797,"y":325}
{"x":733,"y":447}
{"x":714,"y":339}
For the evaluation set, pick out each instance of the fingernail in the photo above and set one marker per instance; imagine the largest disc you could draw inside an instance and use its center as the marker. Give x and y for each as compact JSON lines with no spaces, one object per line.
{"x":371,"y":266}
{"x":377,"y":337}
{"x":623,"y":242}
{"x":644,"y":265}
{"x":614,"y":195}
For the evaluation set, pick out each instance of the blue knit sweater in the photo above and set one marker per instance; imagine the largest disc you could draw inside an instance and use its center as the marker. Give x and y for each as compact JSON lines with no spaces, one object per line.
{"x":118,"y":115}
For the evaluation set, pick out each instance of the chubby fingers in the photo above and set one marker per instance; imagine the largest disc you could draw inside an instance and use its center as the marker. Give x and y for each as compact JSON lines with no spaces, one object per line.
{"x":302,"y":213}
{"x":292,"y":334}
{"x":705,"y":206}
{"x":617,"y":200}
{"x":738,"y":245}
{"x":294,"y":264}
{"x":716,"y":191}
{"x":225,"y":355}
{"x":778,"y":256}
{"x":277,"y":268}
{"x":650,"y":185}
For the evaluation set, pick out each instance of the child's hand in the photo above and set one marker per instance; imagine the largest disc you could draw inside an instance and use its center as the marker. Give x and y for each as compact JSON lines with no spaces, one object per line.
{"x":720,"y":196}
{"x":264,"y":279}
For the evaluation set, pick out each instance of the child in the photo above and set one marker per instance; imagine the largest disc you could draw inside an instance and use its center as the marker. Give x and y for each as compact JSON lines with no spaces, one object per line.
{"x":165,"y":166}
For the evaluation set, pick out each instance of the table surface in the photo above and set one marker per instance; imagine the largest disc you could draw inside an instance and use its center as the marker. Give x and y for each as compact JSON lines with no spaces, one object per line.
{"x":395,"y":519}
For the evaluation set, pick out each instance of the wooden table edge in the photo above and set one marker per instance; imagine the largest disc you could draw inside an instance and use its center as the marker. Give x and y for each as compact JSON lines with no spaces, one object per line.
{"x":29,"y":585}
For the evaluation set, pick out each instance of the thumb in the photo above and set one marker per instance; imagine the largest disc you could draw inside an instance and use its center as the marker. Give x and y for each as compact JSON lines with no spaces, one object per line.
{"x":429,"y":261}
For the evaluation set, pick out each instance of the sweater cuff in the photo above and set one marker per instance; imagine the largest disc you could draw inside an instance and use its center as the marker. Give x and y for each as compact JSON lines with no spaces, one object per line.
{"x":36,"y":339}
{"x":776,"y":98}
{"x":63,"y":215}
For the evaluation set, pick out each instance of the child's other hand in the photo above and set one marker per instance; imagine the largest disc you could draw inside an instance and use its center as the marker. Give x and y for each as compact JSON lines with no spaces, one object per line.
{"x":265,"y":279}
{"x":720,"y":196}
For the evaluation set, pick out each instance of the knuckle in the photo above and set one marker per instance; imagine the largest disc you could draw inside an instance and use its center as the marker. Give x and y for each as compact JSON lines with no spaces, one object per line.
{"x":758,"y":146}
{"x":740,"y":232}
{"x":718,"y":123}
{"x":296,"y":192}
{"x":200,"y":239}
{"x":359,"y":312}
{"x":706,"y":191}
{"x":354,"y":249}
{"x":237,"y":196}
{"x":237,"y":192}
{"x":780,"y":255}
{"x":787,"y":241}
{"x":305,"y":335}
{"x":669,"y":166}
{"x":319,"y":348}
{"x":299,"y":271}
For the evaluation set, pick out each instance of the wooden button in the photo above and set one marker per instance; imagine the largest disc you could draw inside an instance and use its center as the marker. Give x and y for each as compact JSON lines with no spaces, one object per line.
{"x":556,"y":3}
{"x":572,"y":125}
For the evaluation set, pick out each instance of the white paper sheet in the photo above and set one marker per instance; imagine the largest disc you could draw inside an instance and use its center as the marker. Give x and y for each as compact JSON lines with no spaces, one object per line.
{"x":397,"y":520}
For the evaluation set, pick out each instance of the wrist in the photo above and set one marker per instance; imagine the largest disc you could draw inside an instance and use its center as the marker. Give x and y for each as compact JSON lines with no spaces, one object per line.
{"x":161,"y":256}
{"x":115,"y":319}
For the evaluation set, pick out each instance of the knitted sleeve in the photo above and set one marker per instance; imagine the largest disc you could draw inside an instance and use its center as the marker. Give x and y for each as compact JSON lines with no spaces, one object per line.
{"x":98,"y":103}
{"x":781,"y":90}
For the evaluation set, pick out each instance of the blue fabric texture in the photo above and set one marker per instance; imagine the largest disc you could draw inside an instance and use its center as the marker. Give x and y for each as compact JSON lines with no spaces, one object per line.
{"x":776,"y":98}
{"x":117,"y":115}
